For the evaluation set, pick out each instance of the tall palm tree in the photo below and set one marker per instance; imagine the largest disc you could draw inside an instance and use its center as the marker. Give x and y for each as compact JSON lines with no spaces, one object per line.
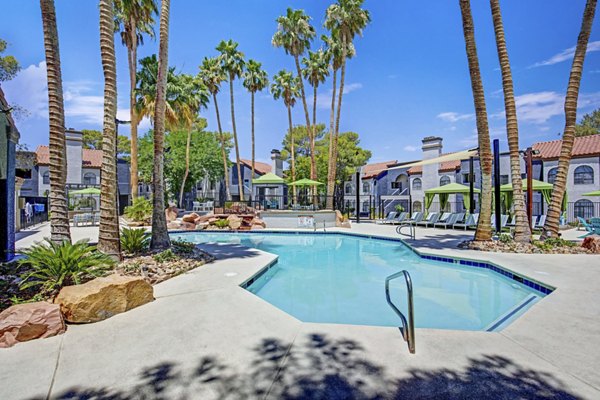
{"x":108,"y":238}
{"x":484,"y":228}
{"x":212,"y":74}
{"x":160,"y":235}
{"x":316,"y":70}
{"x":59,"y":210}
{"x":347,"y":19}
{"x":286,"y":86}
{"x":294,"y":34}
{"x":255,"y":80}
{"x":558,"y":191}
{"x":134,"y":18}
{"x":232,"y":62}
{"x":522,"y":229}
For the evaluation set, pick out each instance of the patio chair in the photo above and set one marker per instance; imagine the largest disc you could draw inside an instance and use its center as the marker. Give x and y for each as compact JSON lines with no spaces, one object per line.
{"x":400,"y":218}
{"x":431,"y":219}
{"x":594,"y":226}
{"x":451,"y":220}
{"x":503,"y":221}
{"x":96,"y":219}
{"x":77,"y":219}
{"x":582,"y":222}
{"x":470,"y":221}
{"x":388,"y":219}
{"x":443,"y":219}
{"x":196,"y":206}
{"x":208,"y":206}
{"x":416,"y":217}
{"x":513,"y":221}
{"x":539,"y":222}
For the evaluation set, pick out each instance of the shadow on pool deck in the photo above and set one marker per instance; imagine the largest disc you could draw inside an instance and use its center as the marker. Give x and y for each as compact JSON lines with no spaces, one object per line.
{"x":322,"y":368}
{"x":223,"y":251}
{"x":439,"y":241}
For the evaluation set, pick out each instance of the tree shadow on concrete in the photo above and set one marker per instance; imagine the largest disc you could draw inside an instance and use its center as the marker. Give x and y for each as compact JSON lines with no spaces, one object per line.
{"x":318,"y":367}
{"x":223,"y":251}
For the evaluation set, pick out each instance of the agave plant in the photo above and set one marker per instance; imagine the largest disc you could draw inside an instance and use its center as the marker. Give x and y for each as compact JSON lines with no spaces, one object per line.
{"x":134,"y":241}
{"x":54,"y":265}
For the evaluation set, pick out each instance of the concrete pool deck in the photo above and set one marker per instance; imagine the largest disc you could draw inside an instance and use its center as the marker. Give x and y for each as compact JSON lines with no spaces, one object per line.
{"x":205,"y":337}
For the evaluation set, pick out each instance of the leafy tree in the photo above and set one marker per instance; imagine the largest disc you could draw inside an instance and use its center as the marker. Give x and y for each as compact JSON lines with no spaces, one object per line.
{"x":92,"y":139}
{"x":589,"y":125}
{"x":9,"y":66}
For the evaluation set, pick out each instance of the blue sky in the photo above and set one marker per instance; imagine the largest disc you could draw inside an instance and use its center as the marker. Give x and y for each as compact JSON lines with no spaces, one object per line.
{"x":408,"y":80}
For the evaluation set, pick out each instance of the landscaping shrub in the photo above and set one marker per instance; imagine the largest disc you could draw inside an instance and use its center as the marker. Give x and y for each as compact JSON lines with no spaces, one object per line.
{"x":54,"y":265}
{"x":134,"y":241}
{"x":183,"y":247}
{"x":167,"y":255}
{"x":506,"y":238}
{"x":140,"y":210}
{"x":221,"y":223}
{"x":552,"y":243}
{"x":399,"y":208}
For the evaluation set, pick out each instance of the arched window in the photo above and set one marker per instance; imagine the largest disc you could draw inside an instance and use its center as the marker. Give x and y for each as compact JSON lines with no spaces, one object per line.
{"x":444,"y":180}
{"x":348,"y":188}
{"x":552,"y":175}
{"x":416,"y":184}
{"x":417,"y":207}
{"x":89,"y":178}
{"x":584,"y":175}
{"x":46,"y":178}
{"x":584,"y":209}
{"x":366,"y":187}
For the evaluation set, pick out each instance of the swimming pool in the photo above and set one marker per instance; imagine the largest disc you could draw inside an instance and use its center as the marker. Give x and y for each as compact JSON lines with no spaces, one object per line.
{"x":339,"y":278}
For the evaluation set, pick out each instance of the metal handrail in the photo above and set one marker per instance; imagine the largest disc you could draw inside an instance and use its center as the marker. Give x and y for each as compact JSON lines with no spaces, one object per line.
{"x":411,"y":227}
{"x":408,"y":327}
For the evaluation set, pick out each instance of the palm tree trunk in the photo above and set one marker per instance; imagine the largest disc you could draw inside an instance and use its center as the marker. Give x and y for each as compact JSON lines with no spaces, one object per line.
{"x":484,"y":228}
{"x":252,"y":112}
{"x":293,"y":153}
{"x":522,"y":228}
{"x":223,"y":152}
{"x":558,"y":191}
{"x":160,"y":235}
{"x":187,"y":166}
{"x":313,"y":165}
{"x":108,"y":238}
{"x":339,"y":110}
{"x":59,"y":210}
{"x":302,"y":93}
{"x":235,"y":141}
{"x":132,"y":61}
{"x":330,"y":167}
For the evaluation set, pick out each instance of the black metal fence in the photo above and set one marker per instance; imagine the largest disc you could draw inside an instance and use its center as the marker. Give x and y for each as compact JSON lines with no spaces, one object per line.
{"x":32,"y":211}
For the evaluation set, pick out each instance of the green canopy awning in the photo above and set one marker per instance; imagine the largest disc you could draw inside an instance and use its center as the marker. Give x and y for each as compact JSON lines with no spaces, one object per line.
{"x":305,"y":182}
{"x":596,"y":193}
{"x":537,"y":186}
{"x":88,"y":191}
{"x":268,"y":179}
{"x":445,"y":190}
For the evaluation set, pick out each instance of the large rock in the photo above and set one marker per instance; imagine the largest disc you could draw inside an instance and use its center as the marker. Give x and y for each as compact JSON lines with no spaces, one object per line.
{"x":592,"y":243}
{"x":190,"y":217}
{"x":204,"y":218}
{"x":234,"y":221}
{"x":174,"y":225}
{"x":23,"y":322}
{"x":258,"y":221}
{"x":102,"y":298}
{"x":171,"y":213}
{"x":256,"y":227}
{"x":188,"y":226}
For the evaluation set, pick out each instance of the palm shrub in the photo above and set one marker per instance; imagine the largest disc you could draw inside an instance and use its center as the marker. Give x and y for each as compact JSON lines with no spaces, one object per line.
{"x":140,"y":210}
{"x":134,"y":241}
{"x":54,"y":265}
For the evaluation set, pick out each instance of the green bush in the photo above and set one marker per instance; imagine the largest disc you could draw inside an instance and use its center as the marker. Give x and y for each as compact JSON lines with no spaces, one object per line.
{"x":552,"y":243}
{"x":506,"y":238}
{"x":221,"y":223}
{"x":183,"y":247}
{"x":134,"y":241}
{"x":165,"y":256}
{"x":140,"y":210}
{"x":54,"y":265}
{"x":399,"y":208}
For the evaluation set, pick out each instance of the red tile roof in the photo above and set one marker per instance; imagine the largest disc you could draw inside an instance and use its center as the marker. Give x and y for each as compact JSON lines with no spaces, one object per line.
{"x":260,"y":167}
{"x":445,"y":166}
{"x":582,"y":147}
{"x":372,"y":170}
{"x":90,"y":158}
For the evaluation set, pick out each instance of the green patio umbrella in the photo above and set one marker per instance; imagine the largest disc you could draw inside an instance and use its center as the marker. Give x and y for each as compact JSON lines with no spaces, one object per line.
{"x":595,"y":193}
{"x":269,"y":179}
{"x":445,"y":190}
{"x":88,"y":191}
{"x":305,"y":182}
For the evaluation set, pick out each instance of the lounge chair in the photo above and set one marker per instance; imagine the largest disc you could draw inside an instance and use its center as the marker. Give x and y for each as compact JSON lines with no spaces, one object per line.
{"x":196,"y":206}
{"x":388,"y":219}
{"x":503,"y":221}
{"x":538,"y":221}
{"x":416,"y":217}
{"x":594,"y":227}
{"x":400,"y":218}
{"x":583,"y":223}
{"x":96,"y":219}
{"x":431,"y":219}
{"x":443,"y":218}
{"x":451,"y":220}
{"x":513,"y":222}
{"x":470,"y":221}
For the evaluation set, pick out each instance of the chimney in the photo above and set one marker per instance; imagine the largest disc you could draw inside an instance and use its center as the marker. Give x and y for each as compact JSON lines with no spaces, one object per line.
{"x":432,"y":148}
{"x":276,"y":163}
{"x":74,"y":142}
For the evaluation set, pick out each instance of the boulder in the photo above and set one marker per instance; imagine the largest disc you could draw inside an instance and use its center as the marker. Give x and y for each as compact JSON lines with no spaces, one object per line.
{"x":212,"y":220}
{"x":188,"y":226}
{"x":256,"y":227}
{"x":258,"y":221}
{"x":592,"y":243}
{"x":202,"y":225}
{"x":102,"y":298}
{"x":171,"y":213}
{"x":235,"y":223}
{"x":174,"y":225}
{"x":345,"y":224}
{"x":204,"y":218}
{"x":190,"y":217}
{"x":23,"y":322}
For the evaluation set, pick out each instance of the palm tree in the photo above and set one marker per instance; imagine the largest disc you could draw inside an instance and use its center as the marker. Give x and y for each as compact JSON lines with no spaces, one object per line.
{"x":255,"y":80}
{"x":108,"y":239}
{"x":59,"y":210}
{"x":558,"y":191}
{"x":212,"y":74}
{"x":160,"y":235}
{"x":345,"y":20}
{"x":134,"y":18}
{"x":286,"y":86}
{"x":232,"y":62}
{"x":294,"y":34}
{"x":522,"y":229}
{"x":316,"y":69}
{"x":484,"y":228}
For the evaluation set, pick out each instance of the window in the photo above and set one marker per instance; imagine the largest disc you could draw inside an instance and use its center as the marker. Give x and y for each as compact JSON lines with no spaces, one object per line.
{"x":444,"y":180}
{"x":366,"y":187}
{"x":400,"y":182}
{"x":89,"y":178}
{"x":584,"y":175}
{"x":584,"y":209}
{"x":416,"y":184}
{"x":417,"y":206}
{"x":46,"y":178}
{"x":552,"y":175}
{"x":348,"y":188}
{"x":365,"y":206}
{"x":503,"y":179}
{"x":465,"y":178}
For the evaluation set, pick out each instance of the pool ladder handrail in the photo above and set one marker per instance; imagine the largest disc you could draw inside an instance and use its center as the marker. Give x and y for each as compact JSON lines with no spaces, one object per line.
{"x":408,"y":327}
{"x":412,"y":230}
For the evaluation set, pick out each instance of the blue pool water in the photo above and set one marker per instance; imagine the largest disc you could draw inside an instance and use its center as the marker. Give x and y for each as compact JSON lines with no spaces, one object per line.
{"x":340,"y":279}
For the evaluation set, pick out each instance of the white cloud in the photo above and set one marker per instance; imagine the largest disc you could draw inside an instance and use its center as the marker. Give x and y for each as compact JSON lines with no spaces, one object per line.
{"x":324,"y":99}
{"x":566,"y":54}
{"x":29,"y":90}
{"x":410,"y":148}
{"x":454,"y":117}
